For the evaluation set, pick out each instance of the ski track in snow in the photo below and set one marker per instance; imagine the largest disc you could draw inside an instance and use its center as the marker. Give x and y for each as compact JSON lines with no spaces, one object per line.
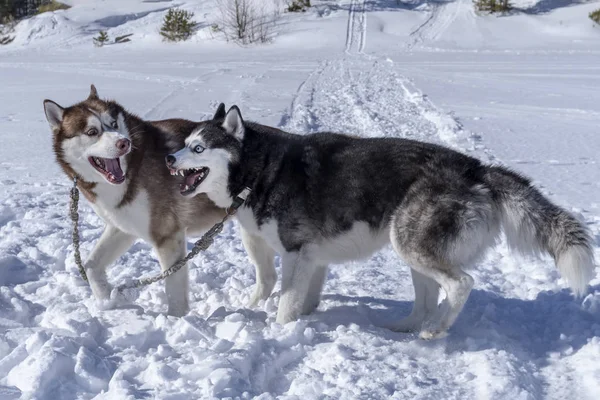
{"x":56,"y":342}
{"x":356,"y":34}
{"x":441,"y":16}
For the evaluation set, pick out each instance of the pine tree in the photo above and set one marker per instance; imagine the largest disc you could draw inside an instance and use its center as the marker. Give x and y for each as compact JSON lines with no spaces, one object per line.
{"x":101,"y":40}
{"x":177,"y":25}
{"x":595,"y":16}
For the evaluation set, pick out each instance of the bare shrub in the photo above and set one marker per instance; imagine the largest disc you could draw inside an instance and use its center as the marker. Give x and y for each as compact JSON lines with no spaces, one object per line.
{"x":298,"y":5}
{"x":7,"y":30}
{"x":248,"y":21}
{"x":493,"y":6}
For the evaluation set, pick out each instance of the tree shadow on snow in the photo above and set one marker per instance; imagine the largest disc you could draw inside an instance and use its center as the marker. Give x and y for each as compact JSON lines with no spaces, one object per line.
{"x":545,"y":6}
{"x":382,"y":5}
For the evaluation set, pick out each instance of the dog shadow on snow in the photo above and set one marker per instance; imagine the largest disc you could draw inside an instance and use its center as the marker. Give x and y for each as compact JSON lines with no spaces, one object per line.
{"x":552,"y":322}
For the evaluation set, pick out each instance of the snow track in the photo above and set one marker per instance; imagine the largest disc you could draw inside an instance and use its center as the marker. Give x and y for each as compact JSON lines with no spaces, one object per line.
{"x":442,"y":15}
{"x":361,"y":94}
{"x":356,"y":34}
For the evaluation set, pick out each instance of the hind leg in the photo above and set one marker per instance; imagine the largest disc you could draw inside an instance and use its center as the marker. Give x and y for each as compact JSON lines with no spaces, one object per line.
{"x":313,"y":297}
{"x":439,"y":229}
{"x":457,"y":285}
{"x":425,"y":306}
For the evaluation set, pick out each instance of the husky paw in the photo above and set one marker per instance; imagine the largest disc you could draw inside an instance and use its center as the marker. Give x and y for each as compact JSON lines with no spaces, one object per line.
{"x":101,"y":289}
{"x":428,"y":334}
{"x":110,"y":302}
{"x":261,"y":292}
{"x":105,"y":304}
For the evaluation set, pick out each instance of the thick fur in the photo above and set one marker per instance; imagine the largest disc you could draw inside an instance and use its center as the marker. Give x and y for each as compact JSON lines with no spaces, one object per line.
{"x":147,"y":204}
{"x":328,"y":198}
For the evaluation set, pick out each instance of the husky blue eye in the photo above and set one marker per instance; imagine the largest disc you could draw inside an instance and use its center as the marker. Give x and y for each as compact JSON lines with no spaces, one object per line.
{"x":198,"y":149}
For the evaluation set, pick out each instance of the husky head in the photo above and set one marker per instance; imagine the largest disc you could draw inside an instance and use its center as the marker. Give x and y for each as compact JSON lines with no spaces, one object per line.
{"x":210,"y":151}
{"x":90,"y":138}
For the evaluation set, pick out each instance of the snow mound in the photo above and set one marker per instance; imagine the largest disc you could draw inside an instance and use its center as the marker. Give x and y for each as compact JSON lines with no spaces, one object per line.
{"x":47,"y":28}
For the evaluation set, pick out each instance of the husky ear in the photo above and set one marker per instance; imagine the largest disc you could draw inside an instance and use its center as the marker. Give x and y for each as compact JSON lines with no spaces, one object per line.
{"x":93,"y":93}
{"x":233,"y":123}
{"x":220,"y":113}
{"x":54,"y":113}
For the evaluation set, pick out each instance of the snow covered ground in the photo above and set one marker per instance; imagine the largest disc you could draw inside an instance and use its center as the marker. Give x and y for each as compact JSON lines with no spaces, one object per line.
{"x":523,"y":90}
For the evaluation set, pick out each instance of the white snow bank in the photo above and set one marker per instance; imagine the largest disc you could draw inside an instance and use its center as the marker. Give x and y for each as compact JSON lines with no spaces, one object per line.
{"x":48,"y":28}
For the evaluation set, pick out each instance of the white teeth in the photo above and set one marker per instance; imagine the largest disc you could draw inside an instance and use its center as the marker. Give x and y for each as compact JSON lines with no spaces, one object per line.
{"x":181,"y":172}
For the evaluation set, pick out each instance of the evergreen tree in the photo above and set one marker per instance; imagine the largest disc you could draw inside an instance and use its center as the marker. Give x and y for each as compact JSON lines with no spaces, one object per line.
{"x":177,"y":25}
{"x":101,"y":39}
{"x":595,"y":16}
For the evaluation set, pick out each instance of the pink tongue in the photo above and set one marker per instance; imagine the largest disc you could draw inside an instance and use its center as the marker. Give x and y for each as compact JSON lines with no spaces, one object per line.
{"x":113,"y":166}
{"x":191,"y":178}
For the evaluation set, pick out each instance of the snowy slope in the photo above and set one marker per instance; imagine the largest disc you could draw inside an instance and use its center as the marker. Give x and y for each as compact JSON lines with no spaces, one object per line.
{"x":430,"y":71}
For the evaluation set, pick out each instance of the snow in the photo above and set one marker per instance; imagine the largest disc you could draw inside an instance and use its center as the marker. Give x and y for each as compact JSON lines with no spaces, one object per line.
{"x":520,"y":89}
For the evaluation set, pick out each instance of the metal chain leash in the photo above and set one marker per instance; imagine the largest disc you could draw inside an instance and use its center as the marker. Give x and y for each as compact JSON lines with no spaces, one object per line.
{"x":201,"y":244}
{"x":75,"y":219}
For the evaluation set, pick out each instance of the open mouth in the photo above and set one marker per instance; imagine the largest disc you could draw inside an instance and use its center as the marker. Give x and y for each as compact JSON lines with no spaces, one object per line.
{"x":109,"y":167}
{"x":192,"y":178}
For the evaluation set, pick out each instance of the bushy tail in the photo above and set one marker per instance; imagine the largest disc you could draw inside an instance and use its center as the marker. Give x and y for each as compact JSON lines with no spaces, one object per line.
{"x":533,"y":224}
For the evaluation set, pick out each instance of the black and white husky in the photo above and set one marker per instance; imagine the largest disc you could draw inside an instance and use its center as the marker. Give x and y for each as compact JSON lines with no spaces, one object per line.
{"x":328,"y":198}
{"x":119,"y":161}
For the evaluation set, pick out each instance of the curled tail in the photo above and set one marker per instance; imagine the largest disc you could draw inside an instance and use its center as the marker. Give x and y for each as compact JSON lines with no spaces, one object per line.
{"x":533,"y":224}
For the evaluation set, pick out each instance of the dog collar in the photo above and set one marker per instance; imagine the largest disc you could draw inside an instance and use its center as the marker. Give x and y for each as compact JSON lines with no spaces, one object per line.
{"x":239,"y":200}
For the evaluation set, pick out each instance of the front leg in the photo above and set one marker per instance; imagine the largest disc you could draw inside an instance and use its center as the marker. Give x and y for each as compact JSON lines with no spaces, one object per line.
{"x":169,"y":251}
{"x":313,"y":297}
{"x":262,"y":256}
{"x":297,"y":273}
{"x":111,"y":245}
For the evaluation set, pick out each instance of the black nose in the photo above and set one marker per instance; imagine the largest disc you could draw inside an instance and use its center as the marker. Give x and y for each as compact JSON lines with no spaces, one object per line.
{"x":170,"y":159}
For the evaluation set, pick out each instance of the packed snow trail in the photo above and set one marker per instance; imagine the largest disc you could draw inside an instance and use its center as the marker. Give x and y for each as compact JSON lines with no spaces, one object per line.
{"x":356,"y":34}
{"x":362,"y":94}
{"x":442,"y":15}
{"x":519,"y":336}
